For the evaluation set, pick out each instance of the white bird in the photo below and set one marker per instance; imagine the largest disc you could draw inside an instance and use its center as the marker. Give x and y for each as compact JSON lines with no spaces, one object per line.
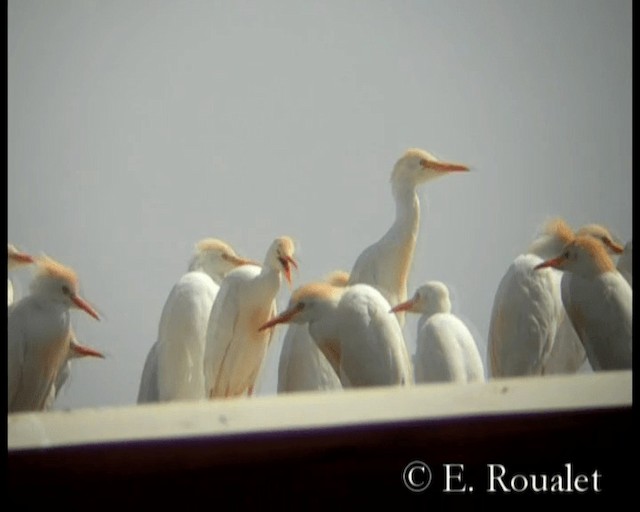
{"x":39,"y":334}
{"x":235,"y":349}
{"x":527,"y":308}
{"x":625,"y":263}
{"x":174,"y":366}
{"x":445,"y":348}
{"x":302,"y":366}
{"x":386,"y":263}
{"x":76,"y":351}
{"x":15,"y":259}
{"x":567,"y":353}
{"x":598,"y":300}
{"x":353,"y":328}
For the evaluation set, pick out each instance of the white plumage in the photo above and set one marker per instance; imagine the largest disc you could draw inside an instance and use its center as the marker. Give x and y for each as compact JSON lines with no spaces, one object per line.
{"x":354,"y":330}
{"x":235,"y":348}
{"x":173,"y":368}
{"x":39,"y":335}
{"x":302,"y":366}
{"x":445,"y":348}
{"x":386,"y":263}
{"x":598,"y":300}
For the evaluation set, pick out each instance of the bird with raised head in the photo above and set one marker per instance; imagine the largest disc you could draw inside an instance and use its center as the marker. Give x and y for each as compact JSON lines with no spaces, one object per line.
{"x":235,"y":348}
{"x":386,"y":264}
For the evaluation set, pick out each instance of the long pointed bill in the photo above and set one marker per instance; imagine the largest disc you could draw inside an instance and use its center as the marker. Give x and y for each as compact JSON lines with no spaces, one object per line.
{"x":22,"y":257}
{"x":283,"y":317}
{"x":82,"y":304}
{"x":78,"y":350}
{"x":554,"y":262}
{"x":286,"y":261}
{"x":443,"y":166}
{"x":403,"y":306}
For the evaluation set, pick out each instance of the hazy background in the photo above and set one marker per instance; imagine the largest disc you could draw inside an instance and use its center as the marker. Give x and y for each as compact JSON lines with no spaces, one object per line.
{"x":136,"y":128}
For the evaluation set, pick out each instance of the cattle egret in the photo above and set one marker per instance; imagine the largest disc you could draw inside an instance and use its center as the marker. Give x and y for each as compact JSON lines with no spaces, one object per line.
{"x":445,"y":348}
{"x":354,"y":330}
{"x":527,"y":308}
{"x":567,"y":353}
{"x":386,"y":263}
{"x":15,"y":259}
{"x":39,"y":334}
{"x":235,"y":348}
{"x":598,"y":300}
{"x":173,"y":368}
{"x":303,"y":367}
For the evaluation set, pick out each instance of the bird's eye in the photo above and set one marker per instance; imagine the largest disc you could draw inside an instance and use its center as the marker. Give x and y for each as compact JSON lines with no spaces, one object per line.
{"x":66,"y":290}
{"x":566,"y":254}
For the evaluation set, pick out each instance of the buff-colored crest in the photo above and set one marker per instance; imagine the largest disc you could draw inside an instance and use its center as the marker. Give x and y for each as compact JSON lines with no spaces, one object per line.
{"x":286,"y":245}
{"x":49,"y":267}
{"x":320,"y":290}
{"x":338,"y":278}
{"x":558,"y":227}
{"x":596,"y":250}
{"x":213,"y":244}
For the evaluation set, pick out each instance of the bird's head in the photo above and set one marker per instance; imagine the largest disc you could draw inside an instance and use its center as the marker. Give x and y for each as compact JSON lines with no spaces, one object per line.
{"x":417,"y":166}
{"x":60,"y":283}
{"x":280,"y":256}
{"x":217,"y":258}
{"x":584,"y":255}
{"x":16,"y":258}
{"x":430,"y":297}
{"x":307,"y":304}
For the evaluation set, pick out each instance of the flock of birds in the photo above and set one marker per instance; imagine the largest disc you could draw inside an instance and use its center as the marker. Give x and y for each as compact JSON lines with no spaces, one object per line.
{"x":561,"y":303}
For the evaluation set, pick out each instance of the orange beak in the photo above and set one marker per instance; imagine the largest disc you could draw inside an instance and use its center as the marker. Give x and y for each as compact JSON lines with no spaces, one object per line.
{"x":403,"y":306}
{"x":283,"y":317}
{"x":443,"y":166}
{"x":84,"y":351}
{"x":22,"y":257}
{"x":84,"y":305}
{"x":286,"y":261}
{"x":554,"y":262}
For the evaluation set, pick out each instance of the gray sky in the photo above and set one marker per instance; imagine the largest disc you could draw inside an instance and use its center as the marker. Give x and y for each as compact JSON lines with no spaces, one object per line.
{"x":136,"y":128}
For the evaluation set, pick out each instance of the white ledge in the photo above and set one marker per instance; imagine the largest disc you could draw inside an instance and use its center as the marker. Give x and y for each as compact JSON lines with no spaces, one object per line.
{"x":278,"y":413}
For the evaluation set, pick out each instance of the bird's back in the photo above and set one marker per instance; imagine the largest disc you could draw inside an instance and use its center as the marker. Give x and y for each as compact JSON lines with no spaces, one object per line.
{"x":446,"y":351}
{"x":182,"y":335}
{"x":600,"y":310}
{"x":373,"y":351}
{"x":525,"y":316}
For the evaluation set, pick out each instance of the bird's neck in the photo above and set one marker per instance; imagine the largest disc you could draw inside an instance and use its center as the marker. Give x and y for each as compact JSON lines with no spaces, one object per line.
{"x":402,"y":235}
{"x":268,"y":280}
